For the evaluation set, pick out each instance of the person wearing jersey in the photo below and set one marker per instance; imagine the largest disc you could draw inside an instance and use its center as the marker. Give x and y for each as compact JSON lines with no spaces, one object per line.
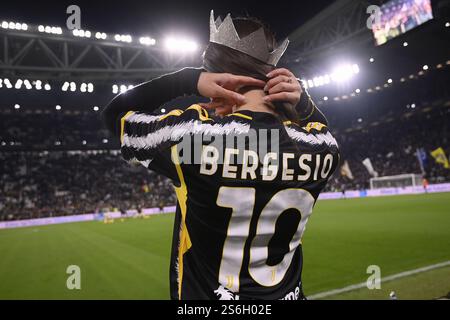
{"x":247,"y":181}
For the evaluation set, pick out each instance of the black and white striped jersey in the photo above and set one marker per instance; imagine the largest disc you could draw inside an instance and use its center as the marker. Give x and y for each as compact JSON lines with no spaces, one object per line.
{"x":246,"y":185}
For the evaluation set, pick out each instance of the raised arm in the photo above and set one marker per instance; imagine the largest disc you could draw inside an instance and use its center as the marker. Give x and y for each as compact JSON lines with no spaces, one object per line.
{"x":150,"y":95}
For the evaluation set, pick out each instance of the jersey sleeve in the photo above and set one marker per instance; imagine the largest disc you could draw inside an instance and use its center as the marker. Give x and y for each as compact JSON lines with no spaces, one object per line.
{"x":321,"y":134}
{"x":147,"y":138}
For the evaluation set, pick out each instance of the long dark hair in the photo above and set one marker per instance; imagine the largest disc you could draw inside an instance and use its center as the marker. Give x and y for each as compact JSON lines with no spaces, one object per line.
{"x":221,"y":59}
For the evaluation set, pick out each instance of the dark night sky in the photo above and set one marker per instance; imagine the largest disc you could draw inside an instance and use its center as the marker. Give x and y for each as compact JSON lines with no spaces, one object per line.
{"x":163,"y":17}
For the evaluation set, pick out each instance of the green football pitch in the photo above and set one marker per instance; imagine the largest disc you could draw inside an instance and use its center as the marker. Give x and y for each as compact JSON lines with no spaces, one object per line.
{"x":130,"y":259}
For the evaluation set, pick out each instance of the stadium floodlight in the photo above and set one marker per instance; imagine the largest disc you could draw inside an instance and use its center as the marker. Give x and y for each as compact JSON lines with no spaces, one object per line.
{"x":123,"y":38}
{"x":18,"y":84}
{"x":147,"y":41}
{"x":90,"y":87}
{"x":101,"y":35}
{"x":84,"y":142}
{"x":343,"y":73}
{"x":115,"y":89}
{"x":325,"y":98}
{"x":96,"y":108}
{"x":50,"y":29}
{"x":73,"y":86}
{"x":310,"y":83}
{"x":14,"y":25}
{"x":163,"y":110}
{"x":405,"y":44}
{"x":47,"y":87}
{"x":413,"y":106}
{"x":27,"y":84}
{"x":389,"y":80}
{"x":447,"y":24}
{"x":372,"y":60}
{"x":83,"y":87}
{"x":105,"y":141}
{"x":58,"y":107}
{"x":17,"y":106}
{"x":358,"y":90}
{"x":360,"y":120}
{"x":425,"y":67}
{"x":180,"y":45}
{"x":65,"y":86}
{"x":81,"y":33}
{"x":38,"y":84}
{"x":8,"y":83}
{"x":123,"y":88}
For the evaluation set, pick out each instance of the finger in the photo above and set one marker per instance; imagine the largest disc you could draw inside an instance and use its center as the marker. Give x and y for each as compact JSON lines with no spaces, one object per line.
{"x":229,"y":95}
{"x":274,"y":81}
{"x":282,"y":96}
{"x":284,"y":87}
{"x":280,"y":72}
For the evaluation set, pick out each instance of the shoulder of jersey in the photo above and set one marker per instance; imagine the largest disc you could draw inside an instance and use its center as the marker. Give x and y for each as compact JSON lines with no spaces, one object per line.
{"x":197,"y":112}
{"x":311,"y":127}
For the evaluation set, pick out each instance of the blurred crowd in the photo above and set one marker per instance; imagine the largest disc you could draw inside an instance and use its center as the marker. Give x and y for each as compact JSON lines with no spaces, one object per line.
{"x":48,"y":184}
{"x":392,"y":149}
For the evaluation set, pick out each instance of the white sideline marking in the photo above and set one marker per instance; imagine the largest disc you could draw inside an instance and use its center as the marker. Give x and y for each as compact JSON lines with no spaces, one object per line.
{"x":386,"y":279}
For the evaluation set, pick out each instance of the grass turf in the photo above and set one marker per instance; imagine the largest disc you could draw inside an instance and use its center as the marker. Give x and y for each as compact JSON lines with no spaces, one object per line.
{"x":130,"y":260}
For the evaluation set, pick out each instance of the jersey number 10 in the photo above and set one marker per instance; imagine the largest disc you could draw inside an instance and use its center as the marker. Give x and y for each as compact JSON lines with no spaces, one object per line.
{"x":242,"y":201}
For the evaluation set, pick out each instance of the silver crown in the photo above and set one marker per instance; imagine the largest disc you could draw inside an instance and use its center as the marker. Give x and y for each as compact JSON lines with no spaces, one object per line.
{"x":255,"y":45}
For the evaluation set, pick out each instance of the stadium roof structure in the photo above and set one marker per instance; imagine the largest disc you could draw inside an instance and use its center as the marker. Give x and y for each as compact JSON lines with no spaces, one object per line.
{"x":35,"y":54}
{"x":343,"y":23}
{"x":340,"y":31}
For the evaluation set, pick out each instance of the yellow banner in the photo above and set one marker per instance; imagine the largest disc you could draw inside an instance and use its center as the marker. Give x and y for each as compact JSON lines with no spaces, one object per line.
{"x":440,"y":157}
